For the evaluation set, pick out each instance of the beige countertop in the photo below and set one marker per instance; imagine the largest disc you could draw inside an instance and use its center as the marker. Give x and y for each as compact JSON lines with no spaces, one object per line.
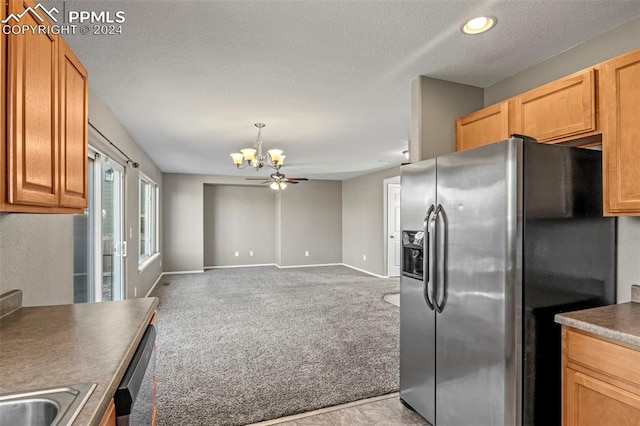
{"x":54,"y":346}
{"x":618,"y":323}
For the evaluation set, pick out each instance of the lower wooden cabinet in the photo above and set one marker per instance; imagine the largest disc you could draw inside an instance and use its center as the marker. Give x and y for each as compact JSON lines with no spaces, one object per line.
{"x":600,"y":381}
{"x":109,"y":418}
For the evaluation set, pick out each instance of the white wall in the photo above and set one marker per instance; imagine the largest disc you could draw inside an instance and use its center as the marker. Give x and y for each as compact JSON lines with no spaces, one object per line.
{"x":605,"y":46}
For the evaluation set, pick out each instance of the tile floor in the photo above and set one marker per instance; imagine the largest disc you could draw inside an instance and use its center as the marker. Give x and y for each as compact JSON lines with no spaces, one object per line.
{"x":393,"y":298}
{"x":383,"y":411}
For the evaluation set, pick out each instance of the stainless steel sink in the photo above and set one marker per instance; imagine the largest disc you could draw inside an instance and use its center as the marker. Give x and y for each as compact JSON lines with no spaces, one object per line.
{"x":44,"y":407}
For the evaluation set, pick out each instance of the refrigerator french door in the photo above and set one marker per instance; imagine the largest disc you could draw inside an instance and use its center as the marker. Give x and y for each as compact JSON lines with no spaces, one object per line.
{"x":472,"y":315}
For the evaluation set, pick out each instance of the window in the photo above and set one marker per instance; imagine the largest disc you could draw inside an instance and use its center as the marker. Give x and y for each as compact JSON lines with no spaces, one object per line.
{"x":148,"y":212}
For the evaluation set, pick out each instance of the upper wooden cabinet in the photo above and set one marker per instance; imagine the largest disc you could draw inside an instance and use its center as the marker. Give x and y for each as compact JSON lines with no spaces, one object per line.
{"x":597,"y":104}
{"x":558,"y":110}
{"x":620,"y":91}
{"x":44,"y":151}
{"x":32,"y":141}
{"x":74,"y":110}
{"x":482,"y":127}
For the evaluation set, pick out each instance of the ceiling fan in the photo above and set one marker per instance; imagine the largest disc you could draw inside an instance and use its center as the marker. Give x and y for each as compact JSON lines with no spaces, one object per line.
{"x":278,"y":180}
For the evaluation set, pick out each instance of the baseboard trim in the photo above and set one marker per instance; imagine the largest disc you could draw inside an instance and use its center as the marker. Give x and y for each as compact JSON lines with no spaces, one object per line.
{"x":364,"y":271}
{"x":307,"y":266}
{"x":201,"y":271}
{"x":238,"y":266}
{"x":155,"y":284}
{"x":162,"y":274}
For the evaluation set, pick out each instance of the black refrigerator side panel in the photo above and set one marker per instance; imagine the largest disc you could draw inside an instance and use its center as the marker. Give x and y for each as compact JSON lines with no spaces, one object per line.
{"x":569,"y":263}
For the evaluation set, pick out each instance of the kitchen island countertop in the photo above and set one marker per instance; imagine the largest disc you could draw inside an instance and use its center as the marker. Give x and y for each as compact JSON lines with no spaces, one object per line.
{"x":55,"y":346}
{"x":618,"y":323}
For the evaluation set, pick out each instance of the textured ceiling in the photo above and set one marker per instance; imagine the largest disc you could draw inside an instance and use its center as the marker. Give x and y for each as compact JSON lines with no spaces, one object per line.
{"x":331,"y":79}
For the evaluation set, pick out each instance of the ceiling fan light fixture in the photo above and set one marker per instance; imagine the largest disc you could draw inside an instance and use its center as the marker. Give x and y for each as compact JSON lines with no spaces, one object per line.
{"x":278,"y":186}
{"x":479,"y":25}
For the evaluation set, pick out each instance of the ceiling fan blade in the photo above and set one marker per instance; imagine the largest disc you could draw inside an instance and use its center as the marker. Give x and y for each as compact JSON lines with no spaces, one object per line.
{"x":288,"y":181}
{"x":266,"y":181}
{"x":298,"y":178}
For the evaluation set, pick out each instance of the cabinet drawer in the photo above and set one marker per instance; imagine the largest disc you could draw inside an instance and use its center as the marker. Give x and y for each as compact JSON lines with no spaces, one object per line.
{"x":602,"y":356}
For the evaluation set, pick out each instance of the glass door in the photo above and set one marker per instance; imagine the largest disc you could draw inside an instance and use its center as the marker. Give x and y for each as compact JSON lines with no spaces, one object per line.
{"x":83,"y":244}
{"x":113,"y":247}
{"x":99,"y":246}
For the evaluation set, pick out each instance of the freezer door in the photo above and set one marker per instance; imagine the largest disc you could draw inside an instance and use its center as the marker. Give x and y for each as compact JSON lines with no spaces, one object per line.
{"x":417,"y":321}
{"x":477,"y":280}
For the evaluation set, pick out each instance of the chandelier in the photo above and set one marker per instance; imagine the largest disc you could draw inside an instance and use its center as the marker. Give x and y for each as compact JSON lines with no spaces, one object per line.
{"x":255,"y":158}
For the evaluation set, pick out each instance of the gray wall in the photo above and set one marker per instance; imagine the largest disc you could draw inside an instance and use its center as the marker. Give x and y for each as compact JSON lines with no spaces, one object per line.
{"x":435,"y":105}
{"x":36,"y":251}
{"x":36,"y":256}
{"x":605,"y":46}
{"x":183,"y":220}
{"x":311,"y":220}
{"x":363,"y":212}
{"x":102,"y":118}
{"x":238,"y":218}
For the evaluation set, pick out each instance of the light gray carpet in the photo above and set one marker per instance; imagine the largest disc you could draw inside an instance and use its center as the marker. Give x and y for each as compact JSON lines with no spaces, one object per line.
{"x":237,"y":346}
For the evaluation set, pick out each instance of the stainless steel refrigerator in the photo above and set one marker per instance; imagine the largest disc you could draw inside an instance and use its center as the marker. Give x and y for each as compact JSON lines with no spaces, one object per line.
{"x":496,"y":241}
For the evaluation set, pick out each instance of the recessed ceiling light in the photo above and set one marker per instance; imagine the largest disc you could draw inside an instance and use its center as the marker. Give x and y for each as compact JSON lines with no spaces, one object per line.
{"x":479,"y":25}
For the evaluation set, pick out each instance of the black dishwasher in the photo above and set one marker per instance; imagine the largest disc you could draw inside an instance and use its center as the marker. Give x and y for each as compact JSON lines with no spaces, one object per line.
{"x":134,"y":399}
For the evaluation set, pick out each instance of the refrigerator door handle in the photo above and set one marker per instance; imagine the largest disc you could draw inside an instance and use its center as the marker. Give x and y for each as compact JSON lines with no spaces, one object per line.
{"x":428,"y":259}
{"x":442,"y":256}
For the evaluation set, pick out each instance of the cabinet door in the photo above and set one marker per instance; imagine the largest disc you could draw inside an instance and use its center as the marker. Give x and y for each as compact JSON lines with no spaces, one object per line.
{"x":592,"y":402}
{"x":73,"y":129}
{"x":561,"y":109}
{"x":490,"y":124}
{"x":620,"y":91}
{"x":109,"y":418}
{"x":32,"y":145}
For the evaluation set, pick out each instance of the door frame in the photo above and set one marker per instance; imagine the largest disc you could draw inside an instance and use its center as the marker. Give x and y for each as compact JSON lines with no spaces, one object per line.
{"x":99,"y":159}
{"x":385,"y":219}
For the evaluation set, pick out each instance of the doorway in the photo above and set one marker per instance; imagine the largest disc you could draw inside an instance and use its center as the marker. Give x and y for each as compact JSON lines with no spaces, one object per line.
{"x":99,"y":246}
{"x":392,"y":226}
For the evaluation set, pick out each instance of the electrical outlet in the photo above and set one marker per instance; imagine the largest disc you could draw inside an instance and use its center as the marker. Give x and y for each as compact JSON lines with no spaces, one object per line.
{"x":364,"y":257}
{"x":250,"y":252}
{"x":237,"y":254}
{"x":306,"y":253}
{"x":135,"y":292}
{"x":130,"y":232}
